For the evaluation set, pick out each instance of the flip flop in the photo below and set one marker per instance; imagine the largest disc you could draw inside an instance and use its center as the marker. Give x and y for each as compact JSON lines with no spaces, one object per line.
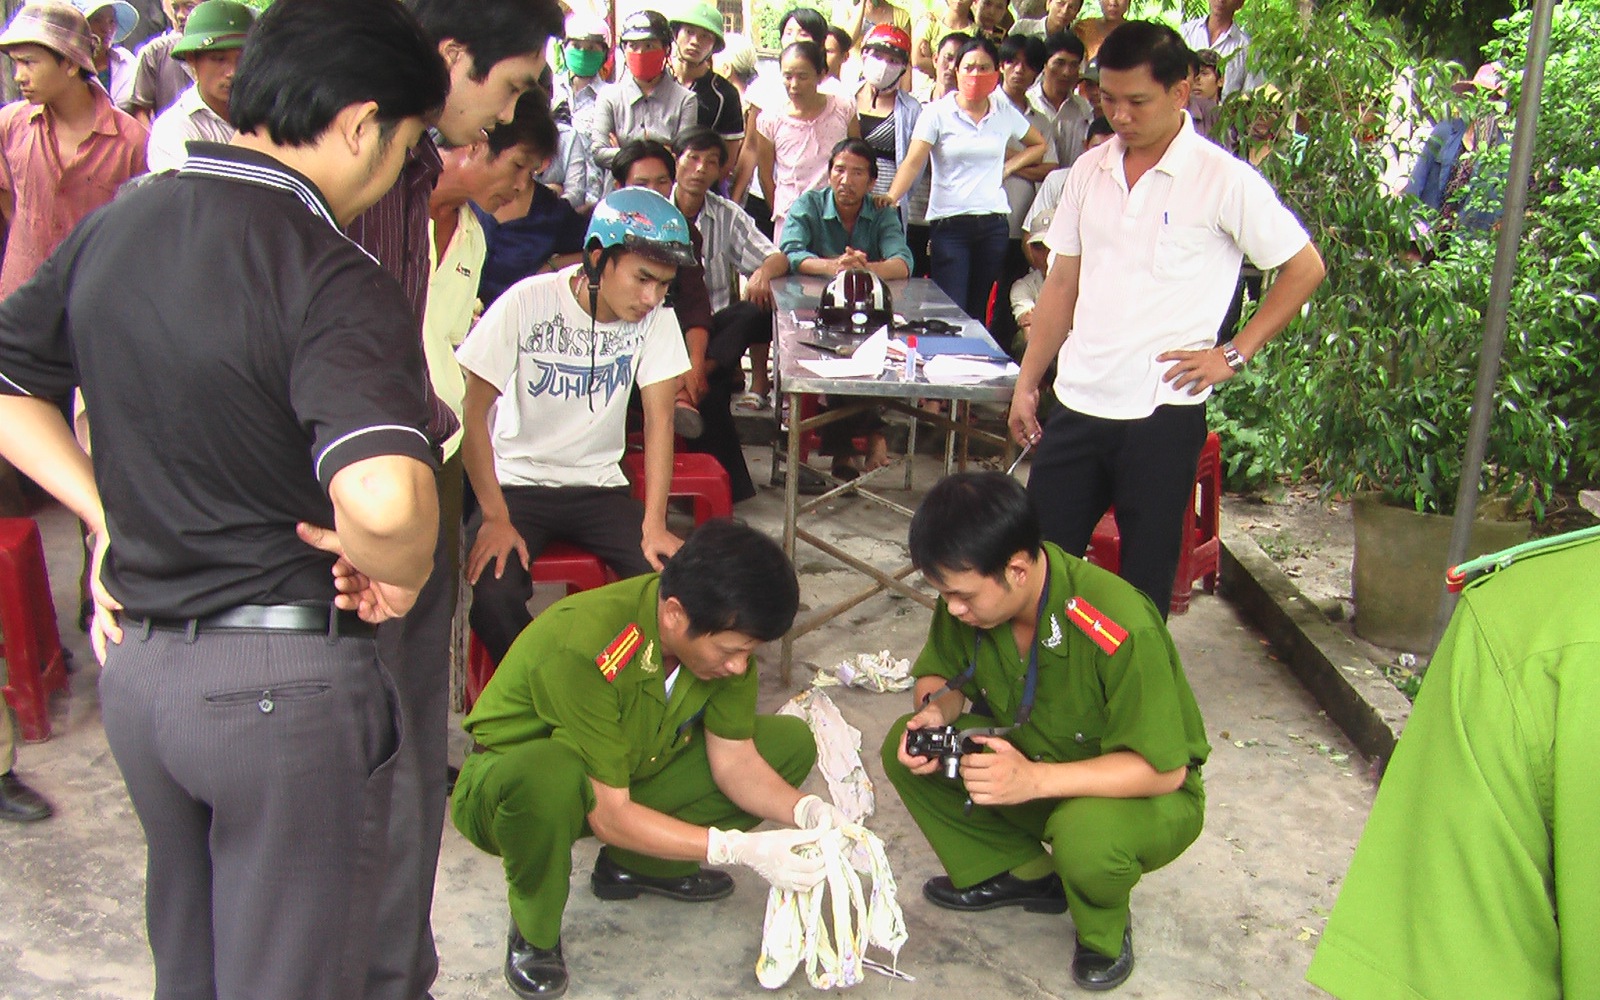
{"x":687,"y":421}
{"x":750,"y":401}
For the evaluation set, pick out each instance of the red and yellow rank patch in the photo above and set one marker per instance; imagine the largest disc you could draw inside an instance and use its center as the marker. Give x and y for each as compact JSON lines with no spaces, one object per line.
{"x":616,"y":656}
{"x":1104,"y":632}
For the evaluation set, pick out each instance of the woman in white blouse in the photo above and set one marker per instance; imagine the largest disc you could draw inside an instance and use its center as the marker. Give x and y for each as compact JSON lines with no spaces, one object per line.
{"x":964,"y":134}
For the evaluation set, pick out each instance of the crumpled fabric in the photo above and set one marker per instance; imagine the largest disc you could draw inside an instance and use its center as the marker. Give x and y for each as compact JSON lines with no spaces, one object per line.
{"x":838,"y":753}
{"x":880,"y":672}
{"x":796,"y":929}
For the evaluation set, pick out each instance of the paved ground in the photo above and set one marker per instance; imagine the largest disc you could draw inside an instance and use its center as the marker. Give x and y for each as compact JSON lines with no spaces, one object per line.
{"x":1235,"y":917}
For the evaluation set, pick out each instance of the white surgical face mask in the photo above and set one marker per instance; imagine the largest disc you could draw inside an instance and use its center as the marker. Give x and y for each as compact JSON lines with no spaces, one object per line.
{"x":881,"y":74}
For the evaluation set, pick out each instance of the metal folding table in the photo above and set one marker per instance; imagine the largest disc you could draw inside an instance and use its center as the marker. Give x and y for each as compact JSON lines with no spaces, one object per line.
{"x":915,"y":299}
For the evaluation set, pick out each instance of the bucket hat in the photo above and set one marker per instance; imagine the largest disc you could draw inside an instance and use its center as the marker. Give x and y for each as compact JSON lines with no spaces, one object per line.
{"x":58,"y":27}
{"x":127,"y":15}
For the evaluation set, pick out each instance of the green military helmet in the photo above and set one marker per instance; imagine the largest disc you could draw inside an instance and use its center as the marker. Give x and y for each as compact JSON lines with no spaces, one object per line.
{"x":215,"y":26}
{"x":700,"y":15}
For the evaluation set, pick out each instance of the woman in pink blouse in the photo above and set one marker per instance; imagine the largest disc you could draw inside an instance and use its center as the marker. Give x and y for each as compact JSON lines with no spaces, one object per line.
{"x":793,"y":142}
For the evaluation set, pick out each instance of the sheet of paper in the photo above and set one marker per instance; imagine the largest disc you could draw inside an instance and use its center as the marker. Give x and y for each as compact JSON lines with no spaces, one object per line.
{"x":948,"y":369}
{"x":866,"y":362}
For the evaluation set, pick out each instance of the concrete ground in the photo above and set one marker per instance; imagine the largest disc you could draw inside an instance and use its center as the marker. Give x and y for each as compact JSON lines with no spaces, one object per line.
{"x":1237,"y":916}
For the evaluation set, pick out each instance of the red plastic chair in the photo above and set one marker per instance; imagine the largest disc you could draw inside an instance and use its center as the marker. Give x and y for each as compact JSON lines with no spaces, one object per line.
{"x":694,"y":475}
{"x":560,"y":562}
{"x":1201,"y":555}
{"x":29,"y":640}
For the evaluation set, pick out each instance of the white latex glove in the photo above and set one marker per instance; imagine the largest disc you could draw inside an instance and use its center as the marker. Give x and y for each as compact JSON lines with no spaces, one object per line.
{"x":770,"y":854}
{"x":813,"y":812}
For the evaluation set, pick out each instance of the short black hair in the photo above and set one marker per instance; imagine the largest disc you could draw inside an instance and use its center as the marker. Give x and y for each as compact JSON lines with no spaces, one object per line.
{"x":1025,"y":47}
{"x":957,"y":38}
{"x":307,"y":60}
{"x":1132,"y":44}
{"x":811,"y":22}
{"x":1064,"y":41}
{"x":973,"y":522}
{"x":1100,"y":126}
{"x":491,"y":30}
{"x":811,"y":52}
{"x":532,"y":124}
{"x":979,"y":44}
{"x":634,"y":150}
{"x":729,"y":577}
{"x":838,"y":34}
{"x":699,"y":139}
{"x":856,"y":147}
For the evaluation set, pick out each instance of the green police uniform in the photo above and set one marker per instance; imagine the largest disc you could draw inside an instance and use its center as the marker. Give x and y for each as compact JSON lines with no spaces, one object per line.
{"x":1476,"y":874}
{"x":1089,"y":702}
{"x":582,"y":694}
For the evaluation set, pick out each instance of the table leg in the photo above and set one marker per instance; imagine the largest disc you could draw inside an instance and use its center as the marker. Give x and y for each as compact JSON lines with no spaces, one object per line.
{"x":791,"y":505}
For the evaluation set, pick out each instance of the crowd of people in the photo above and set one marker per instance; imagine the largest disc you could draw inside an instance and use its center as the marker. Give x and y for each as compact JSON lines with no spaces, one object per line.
{"x":422,"y":269}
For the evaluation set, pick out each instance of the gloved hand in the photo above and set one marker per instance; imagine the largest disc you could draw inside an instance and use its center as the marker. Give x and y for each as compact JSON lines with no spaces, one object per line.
{"x":771,"y":854}
{"x":813,"y":812}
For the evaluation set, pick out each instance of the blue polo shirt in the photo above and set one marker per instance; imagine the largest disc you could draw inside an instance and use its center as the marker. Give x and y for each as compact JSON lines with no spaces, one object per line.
{"x":812,"y":229}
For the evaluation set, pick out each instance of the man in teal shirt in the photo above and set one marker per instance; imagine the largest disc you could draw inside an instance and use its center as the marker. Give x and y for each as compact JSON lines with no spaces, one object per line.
{"x":840,"y":227}
{"x":1476,"y":873}
{"x":628,"y":713}
{"x":1090,"y":774}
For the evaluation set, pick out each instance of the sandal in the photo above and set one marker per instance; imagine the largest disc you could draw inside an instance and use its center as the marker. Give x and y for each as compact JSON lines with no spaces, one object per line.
{"x":686,"y":421}
{"x":750,"y":401}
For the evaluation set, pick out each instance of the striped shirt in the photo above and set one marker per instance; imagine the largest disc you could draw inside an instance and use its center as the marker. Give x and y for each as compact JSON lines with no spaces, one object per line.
{"x":398,"y":233}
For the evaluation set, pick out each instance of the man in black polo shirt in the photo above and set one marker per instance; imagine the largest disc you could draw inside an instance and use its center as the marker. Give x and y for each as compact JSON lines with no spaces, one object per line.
{"x":264,"y":380}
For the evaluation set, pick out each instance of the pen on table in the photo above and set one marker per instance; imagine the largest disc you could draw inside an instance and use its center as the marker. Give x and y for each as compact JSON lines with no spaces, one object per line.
{"x":1020,"y":456}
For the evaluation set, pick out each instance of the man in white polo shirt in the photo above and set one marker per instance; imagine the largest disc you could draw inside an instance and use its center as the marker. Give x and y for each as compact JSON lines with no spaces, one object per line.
{"x":1152,"y":228}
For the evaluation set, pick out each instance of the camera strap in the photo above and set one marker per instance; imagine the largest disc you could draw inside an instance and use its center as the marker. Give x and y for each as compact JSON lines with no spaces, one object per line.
{"x":1030,"y":681}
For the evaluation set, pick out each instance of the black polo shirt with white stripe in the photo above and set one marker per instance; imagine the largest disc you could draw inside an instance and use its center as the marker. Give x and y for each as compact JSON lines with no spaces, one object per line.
{"x":235,"y":351}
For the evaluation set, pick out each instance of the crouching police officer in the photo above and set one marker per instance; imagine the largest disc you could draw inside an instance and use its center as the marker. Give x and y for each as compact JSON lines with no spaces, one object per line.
{"x":628,"y":713}
{"x":1097,"y":741}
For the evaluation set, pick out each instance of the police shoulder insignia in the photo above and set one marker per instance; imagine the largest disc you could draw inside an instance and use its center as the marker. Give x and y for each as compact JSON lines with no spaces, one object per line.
{"x":1102,"y":631}
{"x":616,"y":656}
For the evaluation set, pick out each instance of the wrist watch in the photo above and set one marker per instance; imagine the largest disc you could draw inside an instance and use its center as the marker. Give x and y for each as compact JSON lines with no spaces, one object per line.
{"x":1231,"y":355}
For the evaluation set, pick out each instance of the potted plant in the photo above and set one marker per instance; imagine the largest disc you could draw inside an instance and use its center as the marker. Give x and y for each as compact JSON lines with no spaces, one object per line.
{"x":1372,"y":390}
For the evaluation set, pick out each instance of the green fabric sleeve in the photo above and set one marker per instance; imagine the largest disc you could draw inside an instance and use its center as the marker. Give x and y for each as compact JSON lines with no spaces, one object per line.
{"x":731,"y":710}
{"x":1149,"y":707}
{"x":1449,"y":894}
{"x":585,"y":713}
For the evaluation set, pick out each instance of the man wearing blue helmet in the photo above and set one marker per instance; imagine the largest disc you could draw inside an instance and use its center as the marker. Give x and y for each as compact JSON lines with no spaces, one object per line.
{"x":560,"y":354}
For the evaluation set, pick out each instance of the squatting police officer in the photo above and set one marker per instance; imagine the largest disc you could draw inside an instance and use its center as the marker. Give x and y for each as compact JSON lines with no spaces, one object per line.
{"x":1096,"y":778}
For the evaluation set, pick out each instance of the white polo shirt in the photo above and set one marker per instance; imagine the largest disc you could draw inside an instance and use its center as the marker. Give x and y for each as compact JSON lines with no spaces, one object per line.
{"x":968,"y":157}
{"x":1159,"y":266}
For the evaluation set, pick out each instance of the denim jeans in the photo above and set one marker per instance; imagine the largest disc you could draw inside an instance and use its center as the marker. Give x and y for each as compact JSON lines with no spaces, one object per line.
{"x":968,"y":252}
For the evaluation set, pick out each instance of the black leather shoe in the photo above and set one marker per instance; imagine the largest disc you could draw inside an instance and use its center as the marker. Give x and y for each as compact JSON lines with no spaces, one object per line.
{"x":534,"y":972}
{"x":1094,"y":971}
{"x":1039,"y":895}
{"x":611,"y":881}
{"x":21,"y":804}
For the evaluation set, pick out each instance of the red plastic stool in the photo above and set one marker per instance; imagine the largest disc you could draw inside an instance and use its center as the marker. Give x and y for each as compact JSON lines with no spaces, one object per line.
{"x":694,"y":475}
{"x":560,"y":562}
{"x":1201,"y":554}
{"x":29,"y":641}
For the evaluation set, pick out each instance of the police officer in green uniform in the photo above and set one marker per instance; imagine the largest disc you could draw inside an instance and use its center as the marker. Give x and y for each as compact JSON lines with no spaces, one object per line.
{"x":628,"y":713}
{"x":1093,"y":776}
{"x":1476,"y":875}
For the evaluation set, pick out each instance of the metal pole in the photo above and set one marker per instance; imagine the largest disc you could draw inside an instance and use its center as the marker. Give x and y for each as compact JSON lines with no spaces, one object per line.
{"x":1505,"y":266}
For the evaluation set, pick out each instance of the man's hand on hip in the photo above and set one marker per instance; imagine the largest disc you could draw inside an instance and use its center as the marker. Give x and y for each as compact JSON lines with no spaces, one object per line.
{"x":1196,"y":370}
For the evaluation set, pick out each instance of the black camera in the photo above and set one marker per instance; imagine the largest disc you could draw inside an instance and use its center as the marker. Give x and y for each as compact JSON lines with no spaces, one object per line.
{"x":946,"y":743}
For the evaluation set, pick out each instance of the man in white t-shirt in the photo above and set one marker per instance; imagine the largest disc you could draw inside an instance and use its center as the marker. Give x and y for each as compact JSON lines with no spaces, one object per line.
{"x":1152,"y":227}
{"x":557,"y":356}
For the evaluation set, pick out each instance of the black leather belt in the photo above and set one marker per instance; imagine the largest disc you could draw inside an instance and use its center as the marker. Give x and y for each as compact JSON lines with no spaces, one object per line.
{"x":316,"y":620}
